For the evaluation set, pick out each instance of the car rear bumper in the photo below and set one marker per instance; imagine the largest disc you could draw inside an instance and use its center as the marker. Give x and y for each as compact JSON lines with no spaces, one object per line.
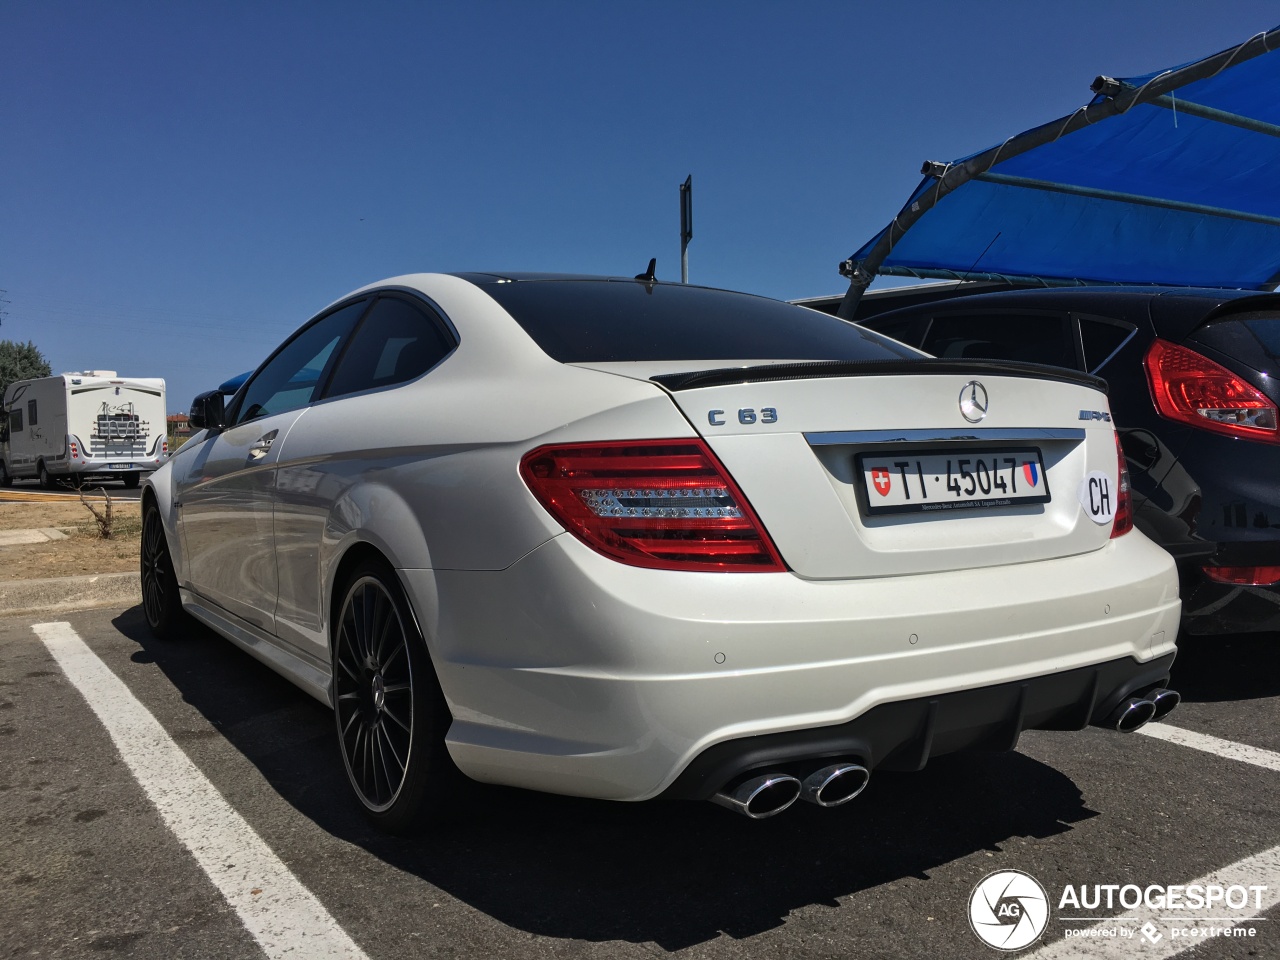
{"x":1211,"y":607}
{"x":83,"y":467}
{"x":571,"y":673}
{"x":904,"y":734}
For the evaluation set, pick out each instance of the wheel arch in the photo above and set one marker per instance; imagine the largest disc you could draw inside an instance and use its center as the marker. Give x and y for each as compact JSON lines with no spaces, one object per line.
{"x":157,"y":491}
{"x":358,"y":552}
{"x":370,"y":521}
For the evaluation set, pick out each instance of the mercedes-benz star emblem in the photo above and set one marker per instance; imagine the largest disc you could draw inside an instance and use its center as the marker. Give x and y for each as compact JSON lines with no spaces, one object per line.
{"x":973,"y":401}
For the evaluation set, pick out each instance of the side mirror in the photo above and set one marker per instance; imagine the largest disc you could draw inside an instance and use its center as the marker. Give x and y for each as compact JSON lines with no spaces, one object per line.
{"x":208,"y":412}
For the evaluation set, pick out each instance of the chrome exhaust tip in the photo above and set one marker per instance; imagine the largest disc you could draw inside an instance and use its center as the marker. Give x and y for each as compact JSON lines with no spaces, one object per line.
{"x":1131,"y":714}
{"x":835,"y":784}
{"x":1164,"y":700}
{"x":761,"y":796}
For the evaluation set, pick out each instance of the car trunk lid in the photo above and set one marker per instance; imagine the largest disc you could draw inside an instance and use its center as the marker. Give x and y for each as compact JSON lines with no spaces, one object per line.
{"x":823,"y":452}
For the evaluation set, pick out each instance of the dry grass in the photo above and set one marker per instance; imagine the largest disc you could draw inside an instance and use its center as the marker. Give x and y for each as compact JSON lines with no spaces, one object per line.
{"x":83,"y":552}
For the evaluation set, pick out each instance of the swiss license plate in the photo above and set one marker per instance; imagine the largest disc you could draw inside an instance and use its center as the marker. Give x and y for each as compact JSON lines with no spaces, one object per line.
{"x":954,"y":480}
{"x":119,"y":466}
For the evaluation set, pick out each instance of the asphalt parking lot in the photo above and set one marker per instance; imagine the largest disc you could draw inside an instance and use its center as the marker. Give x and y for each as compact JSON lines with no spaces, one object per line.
{"x":89,"y":867}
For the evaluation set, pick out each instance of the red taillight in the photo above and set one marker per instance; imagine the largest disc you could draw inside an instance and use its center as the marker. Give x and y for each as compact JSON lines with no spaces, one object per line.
{"x":1191,"y":388}
{"x":1244,"y":576}
{"x":164,"y":448}
{"x":651,"y":503}
{"x":1123,"y":521}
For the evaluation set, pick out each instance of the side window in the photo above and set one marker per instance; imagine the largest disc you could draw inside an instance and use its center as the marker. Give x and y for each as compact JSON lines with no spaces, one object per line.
{"x":291,"y":378}
{"x":15,"y":421}
{"x":1031,"y":338}
{"x":31,"y":412}
{"x":909,"y":330}
{"x":1101,"y":339}
{"x":395,"y":343}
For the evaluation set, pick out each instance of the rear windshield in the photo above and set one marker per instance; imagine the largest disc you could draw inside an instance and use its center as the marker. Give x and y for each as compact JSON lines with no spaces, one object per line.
{"x":600,"y":321}
{"x":1249,"y":338}
{"x":1268,"y":333}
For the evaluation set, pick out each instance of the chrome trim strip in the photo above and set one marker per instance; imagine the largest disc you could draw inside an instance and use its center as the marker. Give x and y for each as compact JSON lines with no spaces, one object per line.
{"x":959,"y":435}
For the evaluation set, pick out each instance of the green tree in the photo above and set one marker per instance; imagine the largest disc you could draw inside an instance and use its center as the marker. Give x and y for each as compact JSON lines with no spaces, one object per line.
{"x":21,"y":361}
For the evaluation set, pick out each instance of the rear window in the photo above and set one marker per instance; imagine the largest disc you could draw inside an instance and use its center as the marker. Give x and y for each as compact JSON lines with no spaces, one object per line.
{"x":1250,"y":338}
{"x":1100,"y":340}
{"x":601,"y":321}
{"x":1030,"y":338}
{"x":1268,"y":333}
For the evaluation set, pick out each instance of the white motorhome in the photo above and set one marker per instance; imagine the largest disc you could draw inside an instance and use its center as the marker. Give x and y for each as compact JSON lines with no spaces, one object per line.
{"x":93,"y":425}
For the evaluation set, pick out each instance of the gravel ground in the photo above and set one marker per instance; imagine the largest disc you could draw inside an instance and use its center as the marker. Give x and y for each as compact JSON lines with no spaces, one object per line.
{"x":83,"y":552}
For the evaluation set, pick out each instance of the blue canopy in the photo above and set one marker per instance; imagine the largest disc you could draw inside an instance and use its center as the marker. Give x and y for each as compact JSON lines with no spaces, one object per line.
{"x":1168,"y":178}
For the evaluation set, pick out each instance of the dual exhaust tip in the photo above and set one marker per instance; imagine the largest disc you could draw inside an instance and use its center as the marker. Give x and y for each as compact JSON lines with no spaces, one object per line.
{"x":768,"y":794}
{"x":1138,"y":711}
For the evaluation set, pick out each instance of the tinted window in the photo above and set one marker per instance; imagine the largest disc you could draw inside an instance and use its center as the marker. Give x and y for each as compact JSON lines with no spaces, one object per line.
{"x":910,"y":330}
{"x":1268,"y":333}
{"x":290,"y":378}
{"x":1100,"y":340}
{"x":1027,"y":338}
{"x":31,"y":412}
{"x":583,"y":321}
{"x":395,"y":343}
{"x":15,"y":421}
{"x":1252,"y":339}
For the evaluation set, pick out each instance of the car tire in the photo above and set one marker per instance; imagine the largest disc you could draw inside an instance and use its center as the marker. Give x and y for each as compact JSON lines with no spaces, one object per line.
{"x":390,"y":714}
{"x":161,"y":604}
{"x":46,"y":478}
{"x":5,"y":479}
{"x":131,"y":480}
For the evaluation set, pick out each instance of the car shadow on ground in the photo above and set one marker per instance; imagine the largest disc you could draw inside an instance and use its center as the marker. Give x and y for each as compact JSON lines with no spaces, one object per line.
{"x":675,"y":874}
{"x":1242,"y":666}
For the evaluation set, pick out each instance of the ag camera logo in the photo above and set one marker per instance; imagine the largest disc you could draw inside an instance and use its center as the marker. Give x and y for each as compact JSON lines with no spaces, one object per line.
{"x":1008,"y":910}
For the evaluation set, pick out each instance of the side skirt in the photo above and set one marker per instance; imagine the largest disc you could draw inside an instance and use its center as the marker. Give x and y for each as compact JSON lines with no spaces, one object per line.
{"x":309,"y":675}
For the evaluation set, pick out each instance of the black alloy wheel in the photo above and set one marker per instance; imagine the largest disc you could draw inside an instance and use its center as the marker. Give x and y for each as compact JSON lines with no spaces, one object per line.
{"x":160,"y":601}
{"x":131,"y":480}
{"x":46,"y":479}
{"x":391,"y":716}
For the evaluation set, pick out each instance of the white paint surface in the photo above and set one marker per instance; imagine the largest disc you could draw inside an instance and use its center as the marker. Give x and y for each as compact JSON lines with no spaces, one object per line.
{"x":1222,"y":748}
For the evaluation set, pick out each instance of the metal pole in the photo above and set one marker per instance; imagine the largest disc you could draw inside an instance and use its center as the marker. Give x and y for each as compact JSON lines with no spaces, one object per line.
{"x":951,"y":176}
{"x":686,"y":225}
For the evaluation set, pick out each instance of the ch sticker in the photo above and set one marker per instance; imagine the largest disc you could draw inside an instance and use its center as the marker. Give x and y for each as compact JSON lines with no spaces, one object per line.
{"x":1097,"y":495}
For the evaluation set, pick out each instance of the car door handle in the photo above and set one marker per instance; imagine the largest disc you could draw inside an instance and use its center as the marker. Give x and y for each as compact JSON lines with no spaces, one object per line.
{"x":262,"y":446}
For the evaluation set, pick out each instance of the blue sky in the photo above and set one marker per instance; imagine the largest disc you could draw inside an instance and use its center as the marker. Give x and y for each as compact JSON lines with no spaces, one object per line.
{"x":183,"y":184}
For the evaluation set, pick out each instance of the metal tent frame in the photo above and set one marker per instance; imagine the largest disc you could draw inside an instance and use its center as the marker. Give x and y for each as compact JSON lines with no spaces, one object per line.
{"x":1115,"y":98}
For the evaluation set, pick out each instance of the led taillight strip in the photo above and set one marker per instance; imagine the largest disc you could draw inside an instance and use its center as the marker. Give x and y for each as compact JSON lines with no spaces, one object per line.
{"x":1123,"y":521}
{"x":668,"y":504}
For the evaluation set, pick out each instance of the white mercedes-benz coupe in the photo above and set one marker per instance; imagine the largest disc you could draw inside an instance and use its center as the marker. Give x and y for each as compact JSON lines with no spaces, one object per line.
{"x":626,"y":539}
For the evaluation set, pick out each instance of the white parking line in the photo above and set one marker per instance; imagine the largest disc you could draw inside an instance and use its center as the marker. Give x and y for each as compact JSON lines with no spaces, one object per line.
{"x":1262,"y":869}
{"x":283,"y":916}
{"x":1223,"y":748}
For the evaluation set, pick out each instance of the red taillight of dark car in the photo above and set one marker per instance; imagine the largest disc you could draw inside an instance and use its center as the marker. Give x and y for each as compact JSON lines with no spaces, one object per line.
{"x":668,"y":504}
{"x":1192,"y":389}
{"x":1123,"y":521}
{"x":1265,"y":576}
